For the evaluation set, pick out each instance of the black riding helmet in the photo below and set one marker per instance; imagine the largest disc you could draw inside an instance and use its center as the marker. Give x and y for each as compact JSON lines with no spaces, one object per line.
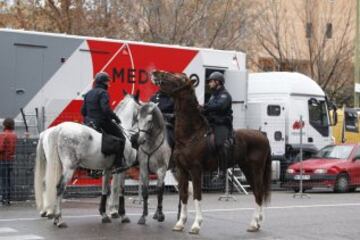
{"x":217,"y":76}
{"x":102,"y":77}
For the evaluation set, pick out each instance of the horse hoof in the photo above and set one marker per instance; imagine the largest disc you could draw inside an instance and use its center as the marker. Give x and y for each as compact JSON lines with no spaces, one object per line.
{"x":62,"y":225}
{"x":177,"y":228}
{"x":195,"y":230}
{"x":161,"y":218}
{"x":141,"y":221}
{"x":125,"y":219}
{"x":106,"y":219}
{"x":156,"y":216}
{"x":42,"y":214}
{"x":115,"y":215}
{"x":253,"y":228}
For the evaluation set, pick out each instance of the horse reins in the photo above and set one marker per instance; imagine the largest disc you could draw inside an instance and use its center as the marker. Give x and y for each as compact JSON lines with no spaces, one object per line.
{"x":148,"y":154}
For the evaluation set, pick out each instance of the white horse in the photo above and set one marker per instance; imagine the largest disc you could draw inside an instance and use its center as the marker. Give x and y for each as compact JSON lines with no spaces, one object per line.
{"x":63,"y":148}
{"x":153,"y":154}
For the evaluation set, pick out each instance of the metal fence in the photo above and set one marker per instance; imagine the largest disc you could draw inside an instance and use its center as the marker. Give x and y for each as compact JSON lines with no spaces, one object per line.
{"x":83,"y":184}
{"x":22,"y":171}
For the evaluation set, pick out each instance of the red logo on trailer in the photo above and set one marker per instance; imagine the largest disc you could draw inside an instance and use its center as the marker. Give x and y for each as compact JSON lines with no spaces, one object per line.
{"x":129,"y":65}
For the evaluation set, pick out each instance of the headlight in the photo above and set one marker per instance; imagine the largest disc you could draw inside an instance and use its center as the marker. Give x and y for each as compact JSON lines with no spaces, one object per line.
{"x":320,"y":171}
{"x":290,"y":171}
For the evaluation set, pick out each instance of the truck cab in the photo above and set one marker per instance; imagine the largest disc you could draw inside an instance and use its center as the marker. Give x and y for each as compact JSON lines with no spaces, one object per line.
{"x":276,"y":101}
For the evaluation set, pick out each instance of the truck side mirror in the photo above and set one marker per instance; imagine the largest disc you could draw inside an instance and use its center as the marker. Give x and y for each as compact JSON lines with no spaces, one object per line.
{"x":332,"y":113}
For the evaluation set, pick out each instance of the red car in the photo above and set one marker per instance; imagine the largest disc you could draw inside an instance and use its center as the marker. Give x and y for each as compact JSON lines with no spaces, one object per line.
{"x":334,"y":166}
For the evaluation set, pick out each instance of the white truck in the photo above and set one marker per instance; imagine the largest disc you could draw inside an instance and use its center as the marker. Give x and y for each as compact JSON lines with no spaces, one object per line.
{"x":44,"y":76}
{"x":276,"y":101}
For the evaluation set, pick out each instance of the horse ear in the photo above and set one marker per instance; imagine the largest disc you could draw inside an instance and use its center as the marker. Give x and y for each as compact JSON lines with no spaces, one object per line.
{"x":125,"y":92}
{"x":194,"y":79}
{"x":137,"y":95}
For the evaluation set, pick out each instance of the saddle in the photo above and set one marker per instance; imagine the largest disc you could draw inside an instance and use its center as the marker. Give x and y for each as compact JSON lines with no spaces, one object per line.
{"x":110,"y":144}
{"x":210,"y":140}
{"x":224,"y":155}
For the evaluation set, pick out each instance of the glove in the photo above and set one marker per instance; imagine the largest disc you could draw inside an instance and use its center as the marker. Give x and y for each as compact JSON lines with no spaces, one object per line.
{"x":117,"y":120}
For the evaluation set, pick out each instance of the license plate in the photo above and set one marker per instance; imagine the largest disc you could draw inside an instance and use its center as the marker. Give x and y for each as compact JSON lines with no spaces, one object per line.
{"x":304,"y":177}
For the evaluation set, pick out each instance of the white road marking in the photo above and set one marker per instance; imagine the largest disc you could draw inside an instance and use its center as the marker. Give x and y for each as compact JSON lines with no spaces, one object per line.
{"x":22,"y":237}
{"x":7,"y":230}
{"x":204,"y":210}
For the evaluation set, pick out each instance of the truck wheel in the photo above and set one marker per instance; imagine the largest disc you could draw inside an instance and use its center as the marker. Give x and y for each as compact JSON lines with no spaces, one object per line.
{"x":342,"y":184}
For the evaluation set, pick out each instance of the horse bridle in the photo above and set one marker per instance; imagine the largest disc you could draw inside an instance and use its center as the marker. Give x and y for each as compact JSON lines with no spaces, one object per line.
{"x":148,"y":154}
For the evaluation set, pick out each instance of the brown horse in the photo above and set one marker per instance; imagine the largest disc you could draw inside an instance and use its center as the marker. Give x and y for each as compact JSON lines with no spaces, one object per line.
{"x":251,"y":150}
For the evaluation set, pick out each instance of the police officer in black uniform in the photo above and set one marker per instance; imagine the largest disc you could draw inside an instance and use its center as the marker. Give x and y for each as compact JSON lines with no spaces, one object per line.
{"x":98,"y":115}
{"x":218,"y":111}
{"x":166,"y":105}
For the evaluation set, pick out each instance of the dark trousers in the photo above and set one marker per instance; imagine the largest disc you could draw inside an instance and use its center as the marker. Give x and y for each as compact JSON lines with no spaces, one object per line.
{"x":170,"y":132}
{"x":222,"y":133}
{"x":113,"y":129}
{"x":5,"y":172}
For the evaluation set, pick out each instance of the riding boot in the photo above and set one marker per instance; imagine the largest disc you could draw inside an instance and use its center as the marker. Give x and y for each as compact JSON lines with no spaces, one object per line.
{"x":223,"y":159}
{"x":119,"y":163}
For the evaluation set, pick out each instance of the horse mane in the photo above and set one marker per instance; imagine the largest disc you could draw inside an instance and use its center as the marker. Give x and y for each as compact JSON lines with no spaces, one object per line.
{"x":158,"y":119}
{"x":187,"y":105}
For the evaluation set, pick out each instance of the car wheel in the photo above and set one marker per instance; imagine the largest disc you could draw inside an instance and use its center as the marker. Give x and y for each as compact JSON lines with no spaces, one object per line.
{"x":342,"y":184}
{"x":352,"y":189}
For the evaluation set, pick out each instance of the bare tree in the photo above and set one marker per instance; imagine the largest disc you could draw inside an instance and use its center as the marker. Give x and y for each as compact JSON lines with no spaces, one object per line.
{"x":315,"y":39}
{"x":205,"y":23}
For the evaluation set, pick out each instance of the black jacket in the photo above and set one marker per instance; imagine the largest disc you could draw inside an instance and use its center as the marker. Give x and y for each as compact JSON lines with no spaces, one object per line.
{"x":218,"y":109}
{"x":166,"y":105}
{"x":96,"y":107}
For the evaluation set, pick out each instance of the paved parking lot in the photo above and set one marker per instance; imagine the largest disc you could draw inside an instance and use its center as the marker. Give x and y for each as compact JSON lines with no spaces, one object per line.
{"x":324,"y":215}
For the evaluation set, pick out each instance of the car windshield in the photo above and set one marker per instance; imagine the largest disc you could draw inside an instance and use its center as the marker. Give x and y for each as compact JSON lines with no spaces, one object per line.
{"x":335,"y":151}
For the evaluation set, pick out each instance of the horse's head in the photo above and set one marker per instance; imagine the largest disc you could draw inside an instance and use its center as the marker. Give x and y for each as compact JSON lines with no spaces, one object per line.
{"x":150,"y":123}
{"x":128,"y":109}
{"x":172,"y":83}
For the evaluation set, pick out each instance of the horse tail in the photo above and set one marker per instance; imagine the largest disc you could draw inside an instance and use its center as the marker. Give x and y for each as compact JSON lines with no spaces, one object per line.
{"x":267,"y":177}
{"x":53,"y":169}
{"x":40,"y":164}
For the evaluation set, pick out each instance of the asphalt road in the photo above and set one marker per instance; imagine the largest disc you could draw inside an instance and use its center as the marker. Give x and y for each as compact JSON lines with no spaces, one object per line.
{"x":324,"y":215}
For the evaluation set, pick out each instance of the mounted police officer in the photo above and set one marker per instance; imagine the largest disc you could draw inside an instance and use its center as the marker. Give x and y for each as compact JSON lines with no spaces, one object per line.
{"x":98,"y":115}
{"x":218,"y":111}
{"x":166,"y":105}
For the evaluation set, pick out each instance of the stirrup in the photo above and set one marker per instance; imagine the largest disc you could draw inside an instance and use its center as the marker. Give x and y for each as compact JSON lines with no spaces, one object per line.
{"x":119,"y":169}
{"x":220,"y":175}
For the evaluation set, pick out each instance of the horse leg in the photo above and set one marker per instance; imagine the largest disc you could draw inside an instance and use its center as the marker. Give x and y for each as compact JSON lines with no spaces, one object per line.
{"x":145,"y":195}
{"x":43,"y":210}
{"x":159,"y":215}
{"x":196,"y":179}
{"x":104,"y":193}
{"x":258,"y":213}
{"x":183,"y":193}
{"x":114,"y":196}
{"x":121,"y":210}
{"x":68,"y":172}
